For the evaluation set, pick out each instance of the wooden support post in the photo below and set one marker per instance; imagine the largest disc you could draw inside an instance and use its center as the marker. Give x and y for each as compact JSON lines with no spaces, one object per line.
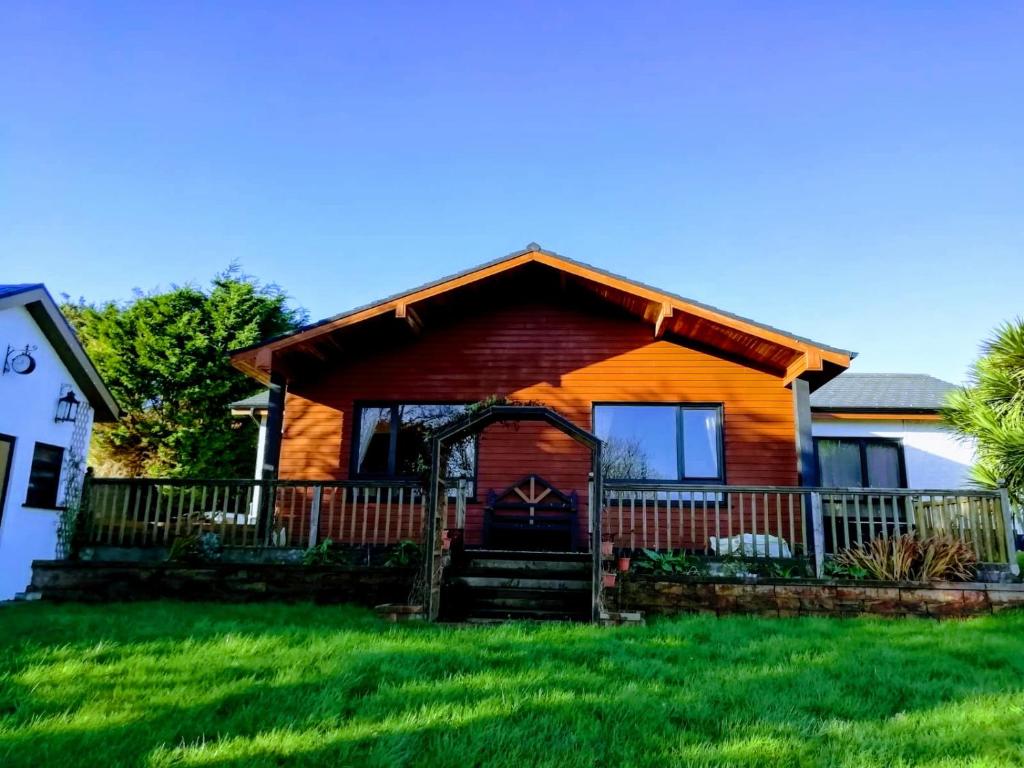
{"x":807,"y":471}
{"x":314,"y":515}
{"x":596,"y":503}
{"x":818,"y":529}
{"x":271,"y":453}
{"x":806,"y":466}
{"x":1011,"y":544}
{"x":433,"y":553}
{"x":275,"y":424}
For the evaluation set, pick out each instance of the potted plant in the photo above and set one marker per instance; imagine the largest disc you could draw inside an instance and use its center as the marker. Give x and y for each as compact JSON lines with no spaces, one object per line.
{"x":608,"y":579}
{"x":622,"y":540}
{"x":607,"y":546}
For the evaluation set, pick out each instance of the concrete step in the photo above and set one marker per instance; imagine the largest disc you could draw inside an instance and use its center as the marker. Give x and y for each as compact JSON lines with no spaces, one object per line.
{"x":500,"y":614}
{"x":520,"y":554}
{"x":581,"y":603}
{"x":501,"y":564}
{"x":519,"y":582}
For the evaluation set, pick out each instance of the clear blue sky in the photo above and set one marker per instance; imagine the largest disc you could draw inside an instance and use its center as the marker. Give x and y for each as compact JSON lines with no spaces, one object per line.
{"x":853,"y":173}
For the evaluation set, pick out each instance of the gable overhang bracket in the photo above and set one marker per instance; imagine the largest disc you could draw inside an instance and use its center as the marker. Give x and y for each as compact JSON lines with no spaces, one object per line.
{"x":809,"y":361}
{"x":661,"y":321}
{"x":407,"y":313}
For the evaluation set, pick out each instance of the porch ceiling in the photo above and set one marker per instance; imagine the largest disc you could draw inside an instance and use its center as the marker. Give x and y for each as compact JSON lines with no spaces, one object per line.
{"x":538,"y":275}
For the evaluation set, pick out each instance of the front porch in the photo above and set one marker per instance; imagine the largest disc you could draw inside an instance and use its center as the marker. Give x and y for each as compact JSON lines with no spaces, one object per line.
{"x":772,"y":531}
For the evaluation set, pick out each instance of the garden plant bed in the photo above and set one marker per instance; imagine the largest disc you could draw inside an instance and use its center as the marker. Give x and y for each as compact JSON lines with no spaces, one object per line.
{"x":670,"y":594}
{"x":187,"y":684}
{"x":100,"y":581}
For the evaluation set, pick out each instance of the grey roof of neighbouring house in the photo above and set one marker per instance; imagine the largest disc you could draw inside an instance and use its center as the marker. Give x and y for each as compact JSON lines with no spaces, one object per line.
{"x":55,"y":327}
{"x":258,"y":402}
{"x":868,"y":392}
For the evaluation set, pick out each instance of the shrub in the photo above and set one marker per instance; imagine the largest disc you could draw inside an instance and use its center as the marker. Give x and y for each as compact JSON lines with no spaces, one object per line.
{"x":658,"y":562}
{"x":325,"y":553}
{"x":405,"y":554}
{"x":195,"y":547}
{"x":909,"y":558}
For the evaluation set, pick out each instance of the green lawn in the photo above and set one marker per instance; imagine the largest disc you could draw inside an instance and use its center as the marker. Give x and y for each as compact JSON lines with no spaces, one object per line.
{"x":160,"y":684}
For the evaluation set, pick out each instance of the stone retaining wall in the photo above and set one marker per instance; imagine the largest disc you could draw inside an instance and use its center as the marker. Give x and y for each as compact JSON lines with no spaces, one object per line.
{"x":668,"y":595}
{"x":95,"y":581}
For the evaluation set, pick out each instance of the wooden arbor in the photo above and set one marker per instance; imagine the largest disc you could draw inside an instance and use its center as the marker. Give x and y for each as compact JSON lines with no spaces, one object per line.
{"x":473,"y":423}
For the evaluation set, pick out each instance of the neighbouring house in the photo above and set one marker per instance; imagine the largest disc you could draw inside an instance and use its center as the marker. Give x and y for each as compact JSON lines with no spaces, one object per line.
{"x":50,"y":394}
{"x":884,"y":430}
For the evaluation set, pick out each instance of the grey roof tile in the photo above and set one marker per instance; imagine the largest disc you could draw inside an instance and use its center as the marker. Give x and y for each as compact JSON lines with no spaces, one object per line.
{"x":257,"y":401}
{"x":882,"y":392}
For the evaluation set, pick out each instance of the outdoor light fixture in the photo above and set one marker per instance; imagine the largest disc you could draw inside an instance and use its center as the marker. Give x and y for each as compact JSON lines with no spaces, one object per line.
{"x":67,"y":406}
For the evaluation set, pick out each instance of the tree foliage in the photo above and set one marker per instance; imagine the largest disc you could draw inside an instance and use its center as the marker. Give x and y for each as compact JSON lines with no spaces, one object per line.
{"x":164,"y":356}
{"x":990,"y":409}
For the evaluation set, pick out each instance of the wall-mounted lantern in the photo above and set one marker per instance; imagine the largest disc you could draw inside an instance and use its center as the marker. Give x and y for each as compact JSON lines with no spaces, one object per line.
{"x":67,"y":406}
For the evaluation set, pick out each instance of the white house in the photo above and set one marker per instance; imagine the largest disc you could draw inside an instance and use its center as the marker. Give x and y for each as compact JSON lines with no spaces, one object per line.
{"x":50,"y":394}
{"x":884,"y":430}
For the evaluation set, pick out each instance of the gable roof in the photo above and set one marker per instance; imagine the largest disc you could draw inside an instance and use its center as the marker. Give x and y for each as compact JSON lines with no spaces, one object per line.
{"x":882,"y":392}
{"x":669,"y":313}
{"x":40,"y":305}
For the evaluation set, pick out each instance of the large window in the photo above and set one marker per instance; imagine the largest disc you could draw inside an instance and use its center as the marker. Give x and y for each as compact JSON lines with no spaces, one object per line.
{"x":393,"y":441}
{"x":860,"y":462}
{"x":44,"y":477}
{"x":660,"y":442}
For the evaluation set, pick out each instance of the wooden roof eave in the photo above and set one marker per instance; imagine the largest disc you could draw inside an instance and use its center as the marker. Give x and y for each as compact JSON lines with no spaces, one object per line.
{"x":257,"y":362}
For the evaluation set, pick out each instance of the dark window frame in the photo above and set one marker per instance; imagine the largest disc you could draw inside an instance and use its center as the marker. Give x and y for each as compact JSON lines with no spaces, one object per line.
{"x":12,"y":441}
{"x":357,"y":410}
{"x":35,"y":501}
{"x":681,"y":478}
{"x":863,"y":443}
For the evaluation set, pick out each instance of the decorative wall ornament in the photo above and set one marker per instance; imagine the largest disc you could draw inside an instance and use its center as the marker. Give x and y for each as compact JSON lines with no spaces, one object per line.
{"x":19,"y":359}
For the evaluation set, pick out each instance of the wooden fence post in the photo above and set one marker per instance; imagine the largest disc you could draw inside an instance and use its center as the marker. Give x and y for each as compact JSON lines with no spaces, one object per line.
{"x":1011,"y":544}
{"x":818,"y":531}
{"x":314,"y":515}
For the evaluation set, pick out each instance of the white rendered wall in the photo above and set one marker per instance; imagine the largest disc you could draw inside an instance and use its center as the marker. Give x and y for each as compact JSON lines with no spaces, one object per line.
{"x":935,"y":457}
{"x":28,"y":404}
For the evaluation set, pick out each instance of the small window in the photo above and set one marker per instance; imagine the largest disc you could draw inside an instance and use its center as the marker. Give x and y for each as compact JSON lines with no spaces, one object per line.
{"x":44,"y":479}
{"x":393,"y":441}
{"x":860,"y":462}
{"x":660,"y":442}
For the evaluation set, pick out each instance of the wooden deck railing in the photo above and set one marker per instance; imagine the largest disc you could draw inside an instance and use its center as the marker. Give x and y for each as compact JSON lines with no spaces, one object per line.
{"x":750,"y":521}
{"x":755,"y":521}
{"x":772,"y":522}
{"x":252,"y":513}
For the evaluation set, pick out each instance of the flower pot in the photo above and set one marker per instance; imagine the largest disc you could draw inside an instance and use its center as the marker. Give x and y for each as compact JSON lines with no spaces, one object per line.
{"x":623,"y":564}
{"x":607,"y":548}
{"x":609,"y":580}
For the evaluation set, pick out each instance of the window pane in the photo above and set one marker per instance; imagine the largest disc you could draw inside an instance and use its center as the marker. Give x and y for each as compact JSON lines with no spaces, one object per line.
{"x":415,"y":425}
{"x":44,"y":477}
{"x":883,"y":465}
{"x":639,"y":441}
{"x":839,"y":462}
{"x":701,"y":432}
{"x":374,"y":440}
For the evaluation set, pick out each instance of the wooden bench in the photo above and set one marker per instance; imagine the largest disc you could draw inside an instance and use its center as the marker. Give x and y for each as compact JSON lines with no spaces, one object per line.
{"x":531,"y":514}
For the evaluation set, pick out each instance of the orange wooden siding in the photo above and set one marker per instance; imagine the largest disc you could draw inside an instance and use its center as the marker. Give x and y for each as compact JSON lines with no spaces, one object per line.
{"x":563,"y":357}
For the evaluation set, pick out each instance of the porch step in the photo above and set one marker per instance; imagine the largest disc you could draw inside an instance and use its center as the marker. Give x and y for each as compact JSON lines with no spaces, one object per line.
{"x":498,"y":585}
{"x":516,"y":581}
{"x":532,"y":556}
{"x":492,"y":616}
